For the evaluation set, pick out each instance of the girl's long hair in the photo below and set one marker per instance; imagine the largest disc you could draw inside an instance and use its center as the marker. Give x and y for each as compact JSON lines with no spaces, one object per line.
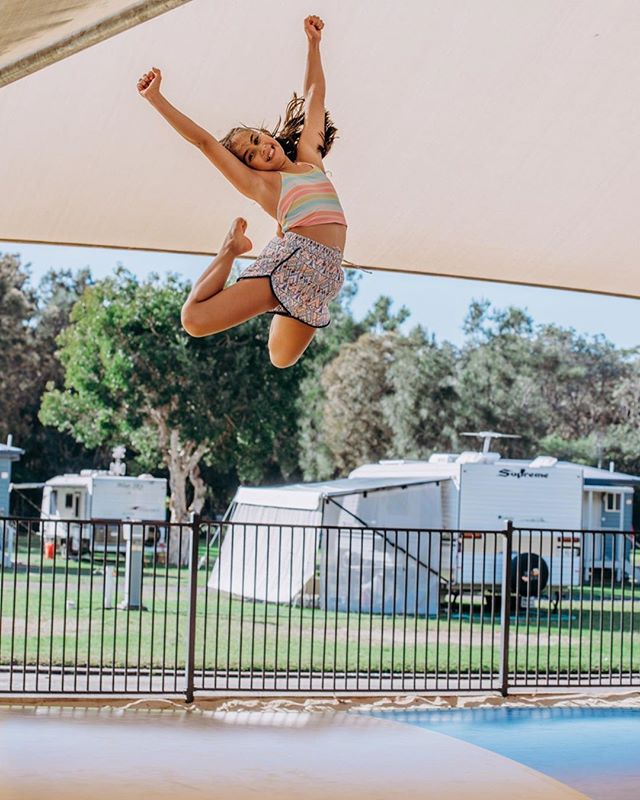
{"x":287,"y":132}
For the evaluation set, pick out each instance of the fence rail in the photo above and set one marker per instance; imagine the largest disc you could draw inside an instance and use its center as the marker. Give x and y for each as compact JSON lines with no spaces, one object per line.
{"x":120,"y":607}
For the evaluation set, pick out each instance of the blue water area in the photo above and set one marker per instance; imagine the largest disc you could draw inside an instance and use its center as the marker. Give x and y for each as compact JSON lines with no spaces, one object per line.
{"x":595,"y":750}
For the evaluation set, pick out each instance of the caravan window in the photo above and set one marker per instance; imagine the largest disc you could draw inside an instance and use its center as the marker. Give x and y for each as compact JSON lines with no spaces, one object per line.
{"x":53,"y":501}
{"x":612,"y":502}
{"x":68,"y":501}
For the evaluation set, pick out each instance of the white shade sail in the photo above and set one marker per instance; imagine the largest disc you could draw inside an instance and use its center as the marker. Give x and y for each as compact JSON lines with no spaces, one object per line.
{"x":37,"y":33}
{"x":495,"y":140}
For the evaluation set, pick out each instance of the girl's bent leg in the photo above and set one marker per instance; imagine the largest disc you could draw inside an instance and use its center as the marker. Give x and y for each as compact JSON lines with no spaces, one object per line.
{"x":215,"y":276}
{"x":228,"y":308}
{"x":288,"y":339}
{"x":210,"y":308}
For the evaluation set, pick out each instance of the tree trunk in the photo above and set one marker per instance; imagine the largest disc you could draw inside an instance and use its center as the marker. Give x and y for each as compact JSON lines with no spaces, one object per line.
{"x":182,"y":460}
{"x":199,"y":490}
{"x":178,"y":544}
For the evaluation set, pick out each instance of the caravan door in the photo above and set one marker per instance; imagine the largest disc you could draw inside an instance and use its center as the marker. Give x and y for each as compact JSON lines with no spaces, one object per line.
{"x":72,"y":503}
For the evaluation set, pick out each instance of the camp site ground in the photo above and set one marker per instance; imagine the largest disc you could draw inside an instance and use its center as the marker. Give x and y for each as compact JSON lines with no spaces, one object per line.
{"x":59,"y":634}
{"x":462,"y":572}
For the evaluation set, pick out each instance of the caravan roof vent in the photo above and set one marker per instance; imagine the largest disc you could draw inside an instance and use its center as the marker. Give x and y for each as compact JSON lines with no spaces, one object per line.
{"x":473,"y":457}
{"x":543,"y":461}
{"x":443,"y":458}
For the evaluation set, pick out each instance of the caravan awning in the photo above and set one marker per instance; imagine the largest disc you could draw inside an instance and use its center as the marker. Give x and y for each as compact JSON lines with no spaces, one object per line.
{"x":10,"y":453}
{"x":309,"y":496}
{"x":494,"y":140}
{"x":603,"y":477}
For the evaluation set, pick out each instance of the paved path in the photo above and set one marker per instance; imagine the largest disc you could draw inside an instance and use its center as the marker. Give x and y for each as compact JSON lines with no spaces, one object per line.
{"x":31,"y":681}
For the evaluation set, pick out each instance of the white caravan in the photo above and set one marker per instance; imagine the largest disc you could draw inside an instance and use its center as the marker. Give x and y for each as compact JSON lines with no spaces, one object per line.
{"x":551,"y":501}
{"x":378,"y":565}
{"x":70,"y":502}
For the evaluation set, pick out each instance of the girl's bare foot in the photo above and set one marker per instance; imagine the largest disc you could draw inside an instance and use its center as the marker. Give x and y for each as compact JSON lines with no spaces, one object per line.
{"x":235,"y":241}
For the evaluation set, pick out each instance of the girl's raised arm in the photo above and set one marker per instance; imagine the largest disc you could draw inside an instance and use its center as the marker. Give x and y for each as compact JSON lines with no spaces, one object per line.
{"x":245,"y":180}
{"x":312,"y":136}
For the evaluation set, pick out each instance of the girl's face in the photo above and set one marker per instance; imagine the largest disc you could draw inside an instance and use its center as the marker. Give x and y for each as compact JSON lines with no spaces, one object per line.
{"x":258,"y":150}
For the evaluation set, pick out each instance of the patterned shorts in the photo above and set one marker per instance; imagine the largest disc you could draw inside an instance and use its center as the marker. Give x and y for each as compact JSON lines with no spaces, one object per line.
{"x":305,"y":276}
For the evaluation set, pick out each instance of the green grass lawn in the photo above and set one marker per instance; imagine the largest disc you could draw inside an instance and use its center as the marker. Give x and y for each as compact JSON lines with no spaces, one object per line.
{"x":53,"y":615}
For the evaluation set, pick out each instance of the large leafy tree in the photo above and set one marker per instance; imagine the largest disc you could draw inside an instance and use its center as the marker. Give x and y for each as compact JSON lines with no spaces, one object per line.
{"x":314,"y":456}
{"x":381,"y":319}
{"x":30,"y":320}
{"x":565,"y":394}
{"x":578,"y":379}
{"x":419,"y":407}
{"x":355,"y":386}
{"x":621,"y":441}
{"x":318,"y":458}
{"x":49,"y":451}
{"x":19,"y":359}
{"x":132,"y":375}
{"x":497,"y":386}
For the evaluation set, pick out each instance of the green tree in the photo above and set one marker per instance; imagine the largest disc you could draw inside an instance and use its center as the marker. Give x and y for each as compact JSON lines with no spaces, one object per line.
{"x":561,"y":391}
{"x":621,"y":442}
{"x":355,"y":385}
{"x":419,"y":407}
{"x":585,"y":450}
{"x":380,"y":319}
{"x":314,"y":456}
{"x":565,"y":394}
{"x":132,"y":375}
{"x":497,"y":386}
{"x":30,"y":320}
{"x":578,"y":377}
{"x":19,"y":359}
{"x":48,"y":451}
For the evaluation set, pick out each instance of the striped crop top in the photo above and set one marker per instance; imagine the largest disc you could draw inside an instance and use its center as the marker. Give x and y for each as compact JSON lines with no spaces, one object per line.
{"x":308,"y":198}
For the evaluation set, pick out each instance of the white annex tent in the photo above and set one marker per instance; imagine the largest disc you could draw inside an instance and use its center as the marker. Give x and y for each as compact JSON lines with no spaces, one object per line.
{"x":492,"y":139}
{"x":360,"y":535}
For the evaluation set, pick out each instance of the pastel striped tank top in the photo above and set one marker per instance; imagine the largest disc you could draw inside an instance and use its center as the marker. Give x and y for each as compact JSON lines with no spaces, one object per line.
{"x":308,"y":198}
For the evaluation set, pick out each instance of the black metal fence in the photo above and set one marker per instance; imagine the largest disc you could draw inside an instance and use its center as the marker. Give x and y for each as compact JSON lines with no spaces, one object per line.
{"x":99,"y":607}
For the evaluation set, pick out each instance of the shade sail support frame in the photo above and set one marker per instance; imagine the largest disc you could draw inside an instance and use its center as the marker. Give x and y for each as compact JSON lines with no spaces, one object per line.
{"x":87,"y":37}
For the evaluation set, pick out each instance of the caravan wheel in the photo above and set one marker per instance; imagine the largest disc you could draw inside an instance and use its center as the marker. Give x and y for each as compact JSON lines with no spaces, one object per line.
{"x":529,"y":575}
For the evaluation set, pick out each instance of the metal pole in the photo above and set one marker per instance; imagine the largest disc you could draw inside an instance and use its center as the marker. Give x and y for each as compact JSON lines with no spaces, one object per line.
{"x":505,"y":611}
{"x":193,"y":593}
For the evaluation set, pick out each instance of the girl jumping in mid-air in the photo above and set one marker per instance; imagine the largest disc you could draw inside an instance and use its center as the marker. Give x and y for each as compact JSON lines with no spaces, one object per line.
{"x":300,"y":270}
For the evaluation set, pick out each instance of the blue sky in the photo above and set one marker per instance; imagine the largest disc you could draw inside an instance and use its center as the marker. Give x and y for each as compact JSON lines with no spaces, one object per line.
{"x":439,"y":304}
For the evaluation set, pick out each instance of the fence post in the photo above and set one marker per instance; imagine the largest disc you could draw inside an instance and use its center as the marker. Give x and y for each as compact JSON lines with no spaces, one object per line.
{"x":505,"y":608}
{"x":193,"y":597}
